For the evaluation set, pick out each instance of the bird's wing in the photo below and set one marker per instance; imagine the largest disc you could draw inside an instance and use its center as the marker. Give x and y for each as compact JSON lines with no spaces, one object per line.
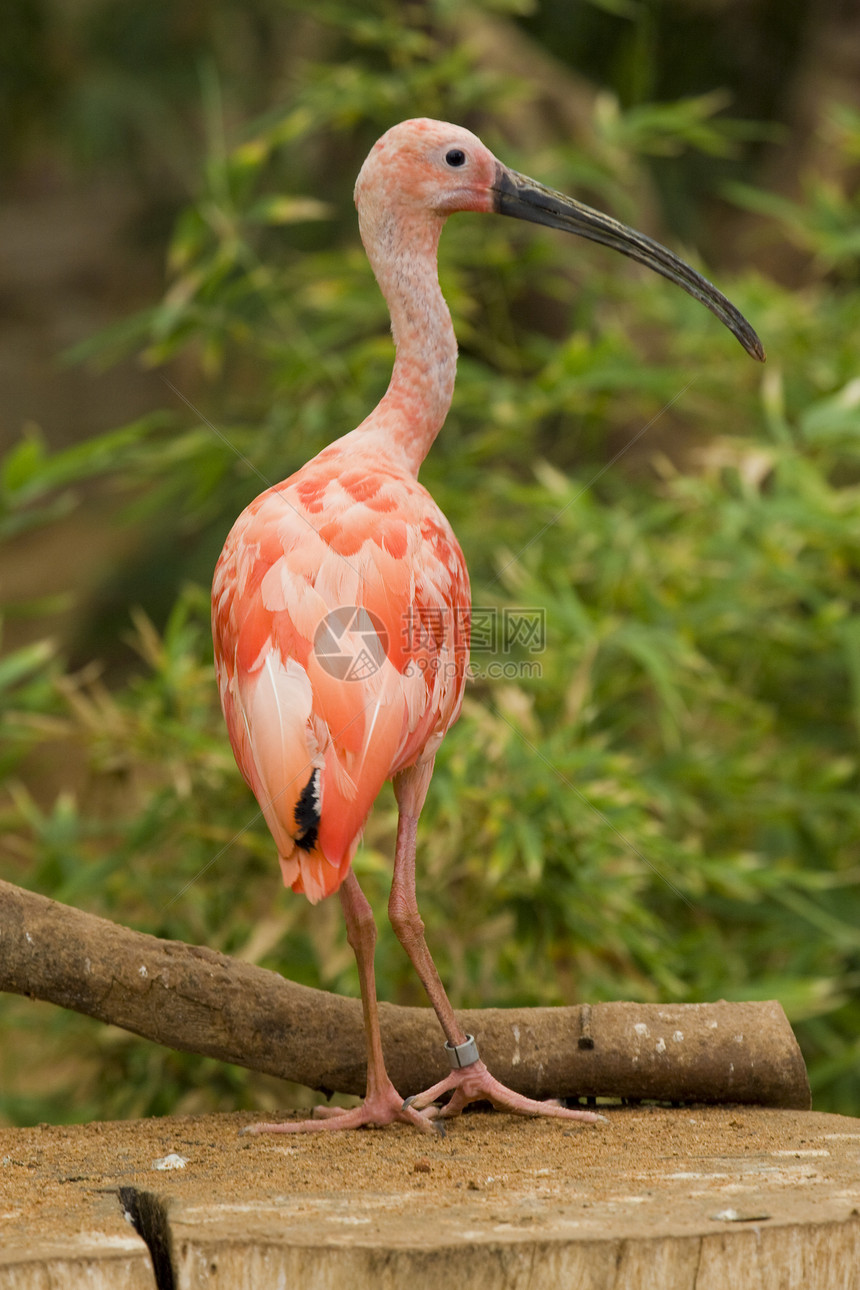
{"x":340,"y":617}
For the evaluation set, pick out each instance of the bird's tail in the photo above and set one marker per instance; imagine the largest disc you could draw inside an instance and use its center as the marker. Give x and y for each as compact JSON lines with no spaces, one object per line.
{"x":268,"y":714}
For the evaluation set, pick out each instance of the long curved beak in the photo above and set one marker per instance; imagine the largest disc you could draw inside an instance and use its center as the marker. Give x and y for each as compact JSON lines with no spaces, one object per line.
{"x":526,"y":199}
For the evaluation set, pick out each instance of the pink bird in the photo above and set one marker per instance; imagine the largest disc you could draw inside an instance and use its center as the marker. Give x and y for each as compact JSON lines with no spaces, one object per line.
{"x":341,"y":599}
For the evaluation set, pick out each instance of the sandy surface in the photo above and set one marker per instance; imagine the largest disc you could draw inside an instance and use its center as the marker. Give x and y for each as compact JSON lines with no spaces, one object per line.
{"x":673,"y":1169}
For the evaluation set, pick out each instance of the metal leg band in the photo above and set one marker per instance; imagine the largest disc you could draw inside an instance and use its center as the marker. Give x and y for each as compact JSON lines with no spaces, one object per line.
{"x":462,"y":1054}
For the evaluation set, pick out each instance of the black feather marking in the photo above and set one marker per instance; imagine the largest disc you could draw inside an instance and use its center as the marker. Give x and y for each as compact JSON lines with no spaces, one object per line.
{"x":307,"y":814}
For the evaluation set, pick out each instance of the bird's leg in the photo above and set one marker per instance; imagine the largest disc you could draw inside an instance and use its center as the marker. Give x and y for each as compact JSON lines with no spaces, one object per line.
{"x":469,"y":1081}
{"x":409,"y":927}
{"x":382,"y":1103}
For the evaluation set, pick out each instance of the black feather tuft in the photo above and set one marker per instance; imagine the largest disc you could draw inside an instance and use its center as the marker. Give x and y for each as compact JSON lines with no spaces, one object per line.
{"x":307,"y":814}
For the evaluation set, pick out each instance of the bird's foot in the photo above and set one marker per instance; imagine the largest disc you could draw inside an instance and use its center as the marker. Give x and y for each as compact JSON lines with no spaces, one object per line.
{"x":474,"y":1083}
{"x":382,"y":1106}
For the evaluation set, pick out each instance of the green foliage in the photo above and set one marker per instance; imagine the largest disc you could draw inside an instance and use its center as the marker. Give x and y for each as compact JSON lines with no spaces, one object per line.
{"x":826,"y":223}
{"x":661,"y":801}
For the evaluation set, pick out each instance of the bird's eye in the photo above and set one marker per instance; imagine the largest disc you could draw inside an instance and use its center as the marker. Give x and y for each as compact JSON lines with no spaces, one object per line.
{"x":455,"y":157}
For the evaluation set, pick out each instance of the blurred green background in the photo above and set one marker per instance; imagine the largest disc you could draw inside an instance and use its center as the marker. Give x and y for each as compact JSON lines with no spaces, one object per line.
{"x":669,"y":810}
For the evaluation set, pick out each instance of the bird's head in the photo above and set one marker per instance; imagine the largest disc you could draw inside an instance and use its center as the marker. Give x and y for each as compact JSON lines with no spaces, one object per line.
{"x":432,"y":168}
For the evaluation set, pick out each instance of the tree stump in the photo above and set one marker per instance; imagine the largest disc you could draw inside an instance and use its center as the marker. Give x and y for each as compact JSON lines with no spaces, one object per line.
{"x":711,"y":1198}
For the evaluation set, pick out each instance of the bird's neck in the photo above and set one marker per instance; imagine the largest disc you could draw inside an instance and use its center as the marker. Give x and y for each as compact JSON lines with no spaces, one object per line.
{"x":413,"y":408}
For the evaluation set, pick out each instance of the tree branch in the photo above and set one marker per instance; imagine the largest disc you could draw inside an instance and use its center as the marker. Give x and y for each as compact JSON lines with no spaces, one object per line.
{"x":191,"y":998}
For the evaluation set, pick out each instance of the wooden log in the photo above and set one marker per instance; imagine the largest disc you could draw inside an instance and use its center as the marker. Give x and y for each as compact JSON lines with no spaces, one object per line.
{"x":192,"y":998}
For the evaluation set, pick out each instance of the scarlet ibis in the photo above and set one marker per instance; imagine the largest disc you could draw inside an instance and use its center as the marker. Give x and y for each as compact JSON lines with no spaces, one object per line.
{"x":341,"y":598}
